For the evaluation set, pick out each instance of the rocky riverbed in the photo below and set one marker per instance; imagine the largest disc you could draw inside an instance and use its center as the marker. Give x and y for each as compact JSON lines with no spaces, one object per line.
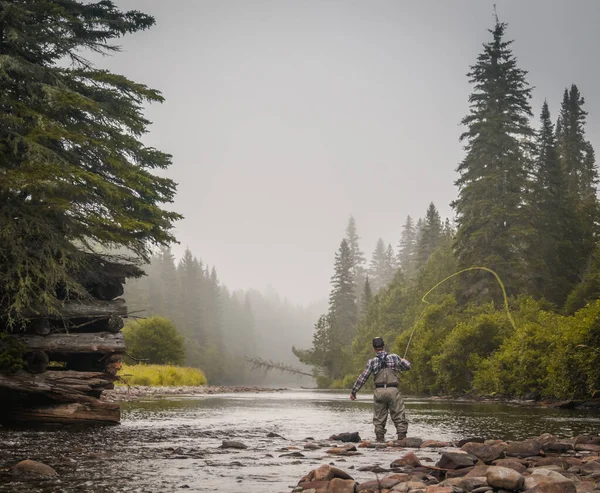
{"x":542,"y":465}
{"x":128,"y":394}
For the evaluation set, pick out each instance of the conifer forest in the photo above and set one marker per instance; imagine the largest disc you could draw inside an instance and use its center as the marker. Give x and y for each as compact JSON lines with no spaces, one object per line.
{"x":80,"y":188}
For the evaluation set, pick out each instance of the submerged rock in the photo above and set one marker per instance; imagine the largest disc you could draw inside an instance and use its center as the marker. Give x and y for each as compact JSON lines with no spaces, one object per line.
{"x":233,"y":444}
{"x":33,"y":469}
{"x":346,"y":437}
{"x":409,"y":459}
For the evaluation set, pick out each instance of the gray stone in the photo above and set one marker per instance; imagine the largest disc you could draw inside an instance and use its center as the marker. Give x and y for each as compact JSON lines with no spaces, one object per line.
{"x":31,"y":468}
{"x":504,"y":478}
{"x":456,"y":460}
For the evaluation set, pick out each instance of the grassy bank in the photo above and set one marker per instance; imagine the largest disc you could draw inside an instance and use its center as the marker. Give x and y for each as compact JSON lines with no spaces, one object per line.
{"x":161,"y":376}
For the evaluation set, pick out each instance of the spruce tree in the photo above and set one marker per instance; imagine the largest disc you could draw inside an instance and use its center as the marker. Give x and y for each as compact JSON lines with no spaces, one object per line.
{"x":367,"y":297}
{"x":493,"y":223}
{"x":557,"y":226}
{"x":75,"y":174}
{"x":431,"y":233}
{"x":358,"y":257}
{"x":377,"y":266}
{"x":407,"y":247}
{"x":342,"y":299}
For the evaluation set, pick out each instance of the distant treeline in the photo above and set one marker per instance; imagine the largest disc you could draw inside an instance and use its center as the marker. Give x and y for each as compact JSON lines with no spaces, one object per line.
{"x":220,"y":327}
{"x":527,"y":208}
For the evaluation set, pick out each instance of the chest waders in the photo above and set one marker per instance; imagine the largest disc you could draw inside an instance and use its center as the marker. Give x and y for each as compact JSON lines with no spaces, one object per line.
{"x":386,"y":399}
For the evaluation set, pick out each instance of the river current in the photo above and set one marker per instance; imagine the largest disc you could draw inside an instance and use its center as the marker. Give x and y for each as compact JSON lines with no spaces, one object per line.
{"x":169,"y":445}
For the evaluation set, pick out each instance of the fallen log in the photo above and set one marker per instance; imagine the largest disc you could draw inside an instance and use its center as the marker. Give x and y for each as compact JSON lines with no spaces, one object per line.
{"x":77,"y":413}
{"x":65,"y":344}
{"x":89,"y":309}
{"x":56,"y":385}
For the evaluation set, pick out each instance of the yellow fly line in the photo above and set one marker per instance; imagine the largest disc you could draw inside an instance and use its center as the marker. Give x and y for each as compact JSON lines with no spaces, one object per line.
{"x":508,"y":314}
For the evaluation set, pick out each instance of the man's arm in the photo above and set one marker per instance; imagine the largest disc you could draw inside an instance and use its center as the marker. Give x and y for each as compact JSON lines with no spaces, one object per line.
{"x":399,"y":363}
{"x":361,"y":380}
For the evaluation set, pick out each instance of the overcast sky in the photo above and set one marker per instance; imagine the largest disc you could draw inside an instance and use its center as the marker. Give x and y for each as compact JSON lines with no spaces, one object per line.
{"x":286,"y":116}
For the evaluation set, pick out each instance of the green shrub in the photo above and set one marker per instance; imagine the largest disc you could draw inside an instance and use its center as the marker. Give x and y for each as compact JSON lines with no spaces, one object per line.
{"x":156,"y":340}
{"x":161,"y":376}
{"x":11,"y":353}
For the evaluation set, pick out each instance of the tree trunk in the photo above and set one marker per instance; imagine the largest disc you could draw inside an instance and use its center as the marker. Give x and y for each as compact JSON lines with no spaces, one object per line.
{"x":65,"y":344}
{"x":92,"y":413}
{"x":88,"y":309}
{"x":60,"y":386}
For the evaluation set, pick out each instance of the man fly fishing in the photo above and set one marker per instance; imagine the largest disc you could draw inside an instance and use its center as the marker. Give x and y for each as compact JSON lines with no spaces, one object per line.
{"x":386,"y":397}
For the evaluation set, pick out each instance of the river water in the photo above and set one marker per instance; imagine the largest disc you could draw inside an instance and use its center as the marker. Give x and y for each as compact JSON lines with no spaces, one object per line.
{"x":169,"y":445}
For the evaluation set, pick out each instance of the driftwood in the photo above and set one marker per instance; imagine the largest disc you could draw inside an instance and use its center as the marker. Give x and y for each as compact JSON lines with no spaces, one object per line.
{"x":270,"y":365}
{"x":89,"y":413}
{"x":59,"y":386}
{"x":65,"y":344}
{"x":37,"y":361}
{"x":89,"y":309}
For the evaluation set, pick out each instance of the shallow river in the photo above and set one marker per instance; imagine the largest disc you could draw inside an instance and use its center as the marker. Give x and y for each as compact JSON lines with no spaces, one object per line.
{"x":173,"y":445}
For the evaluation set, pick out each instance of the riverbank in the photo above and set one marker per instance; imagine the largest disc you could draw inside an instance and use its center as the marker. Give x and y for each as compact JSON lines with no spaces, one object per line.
{"x":138,"y":392}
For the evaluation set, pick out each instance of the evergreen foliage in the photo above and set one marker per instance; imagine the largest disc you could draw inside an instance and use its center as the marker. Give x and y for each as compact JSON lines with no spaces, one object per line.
{"x":75,"y":174}
{"x":431,"y":233}
{"x":155,"y":340}
{"x":405,"y":258}
{"x":493,"y":221}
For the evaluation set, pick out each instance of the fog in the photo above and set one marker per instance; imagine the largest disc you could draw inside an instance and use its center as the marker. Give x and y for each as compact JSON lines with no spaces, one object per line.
{"x":285,"y":117}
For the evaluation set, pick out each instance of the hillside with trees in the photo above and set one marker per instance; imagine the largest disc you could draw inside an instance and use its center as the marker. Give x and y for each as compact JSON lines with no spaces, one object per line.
{"x":527,"y":209}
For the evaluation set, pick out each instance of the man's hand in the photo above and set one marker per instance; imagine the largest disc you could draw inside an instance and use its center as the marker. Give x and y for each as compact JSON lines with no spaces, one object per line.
{"x":352,"y":397}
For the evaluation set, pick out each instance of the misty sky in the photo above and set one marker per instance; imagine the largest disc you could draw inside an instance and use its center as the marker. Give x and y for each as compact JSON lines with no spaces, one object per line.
{"x":284,"y":117}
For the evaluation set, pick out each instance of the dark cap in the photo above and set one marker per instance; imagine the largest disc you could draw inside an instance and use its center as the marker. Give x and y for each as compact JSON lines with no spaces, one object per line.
{"x":378,"y":342}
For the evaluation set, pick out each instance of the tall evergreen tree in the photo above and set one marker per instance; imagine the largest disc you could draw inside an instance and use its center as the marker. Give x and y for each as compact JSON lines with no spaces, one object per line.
{"x":557,"y":226}
{"x":493,"y":223}
{"x":407,"y":247}
{"x":431,"y":233}
{"x":358,"y":257}
{"x":367,"y":296}
{"x":381,"y":268}
{"x":342,"y":299}
{"x":75,"y":175}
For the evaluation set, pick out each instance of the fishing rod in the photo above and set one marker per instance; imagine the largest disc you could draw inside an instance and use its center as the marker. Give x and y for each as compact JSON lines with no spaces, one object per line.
{"x":486,"y":269}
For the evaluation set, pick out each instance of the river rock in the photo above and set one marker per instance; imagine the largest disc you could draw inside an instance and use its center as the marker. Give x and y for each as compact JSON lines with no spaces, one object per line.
{"x":511,"y":464}
{"x":325,"y":473}
{"x":478,"y":471}
{"x":346,"y":437}
{"x":554,"y":461}
{"x":438,"y":489}
{"x":378,"y":485}
{"x":31,"y":468}
{"x":435,"y":444}
{"x":456,"y":460}
{"x":585,"y":486}
{"x":458,"y":473}
{"x":409,"y":459}
{"x":274,"y":435}
{"x":548,"y":473}
{"x":460,"y":443}
{"x":409,"y":442}
{"x":526,"y":448}
{"x":487,"y":453}
{"x":504,"y":478}
{"x":550,"y":487}
{"x":311,"y":446}
{"x":466,"y":483}
{"x":233,"y":444}
{"x":317,"y":486}
{"x":590,"y":467}
{"x":587,"y":443}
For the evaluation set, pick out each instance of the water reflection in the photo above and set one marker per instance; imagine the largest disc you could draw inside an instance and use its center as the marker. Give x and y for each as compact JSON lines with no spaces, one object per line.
{"x":165,"y":444}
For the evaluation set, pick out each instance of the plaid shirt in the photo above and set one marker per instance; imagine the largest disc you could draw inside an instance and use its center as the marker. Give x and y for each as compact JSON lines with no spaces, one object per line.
{"x":374,"y":366}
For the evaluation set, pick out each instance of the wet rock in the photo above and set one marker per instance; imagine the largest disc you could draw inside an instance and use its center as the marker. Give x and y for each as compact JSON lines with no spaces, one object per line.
{"x":525,"y":448}
{"x":483,"y":489}
{"x":435,"y":444}
{"x":33,"y":469}
{"x":410,"y":442}
{"x":325,"y":473}
{"x":311,"y":446}
{"x":504,"y":478}
{"x":459,"y":473}
{"x":532,"y":481}
{"x":585,"y":486}
{"x":345,"y":450}
{"x":274,"y":435}
{"x":456,"y":460}
{"x":554,"y":461}
{"x":466,"y":483}
{"x":549,"y":474}
{"x":487,"y":453}
{"x":438,"y":489}
{"x":587,"y":443}
{"x":478,"y":471}
{"x":318,"y":486}
{"x":338,"y":485}
{"x":558,"y":447}
{"x":409,"y":459}
{"x":590,"y":467}
{"x":233,"y":444}
{"x":548,"y":487}
{"x":378,"y":485}
{"x":511,"y":464}
{"x":346,"y":437}
{"x":376,"y":469}
{"x":460,"y":443}
{"x":293,"y":454}
{"x":416,"y":485}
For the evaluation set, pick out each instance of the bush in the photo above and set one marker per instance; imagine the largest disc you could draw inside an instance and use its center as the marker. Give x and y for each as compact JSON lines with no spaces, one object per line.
{"x":11,"y":353}
{"x":161,"y":376}
{"x":156,"y":340}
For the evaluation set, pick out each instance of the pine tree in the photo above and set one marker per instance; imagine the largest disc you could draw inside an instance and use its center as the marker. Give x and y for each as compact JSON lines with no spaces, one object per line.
{"x":493,"y":223}
{"x":407,"y":247}
{"x":358,"y":257}
{"x":342,"y":299}
{"x":557,"y":226}
{"x":378,"y":266}
{"x":431,"y":233}
{"x":367,"y":296}
{"x":75,"y":175}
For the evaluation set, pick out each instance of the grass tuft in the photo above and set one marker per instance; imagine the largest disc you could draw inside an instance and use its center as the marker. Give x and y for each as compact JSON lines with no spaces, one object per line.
{"x":161,"y":376}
